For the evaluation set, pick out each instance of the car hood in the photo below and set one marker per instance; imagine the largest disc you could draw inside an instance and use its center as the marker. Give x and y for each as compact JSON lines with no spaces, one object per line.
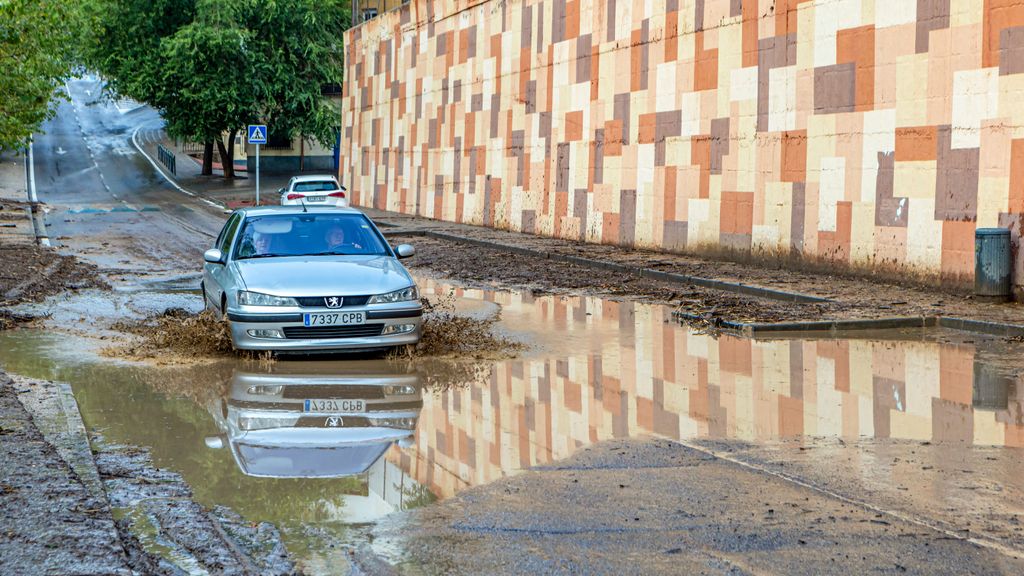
{"x":323,"y":275}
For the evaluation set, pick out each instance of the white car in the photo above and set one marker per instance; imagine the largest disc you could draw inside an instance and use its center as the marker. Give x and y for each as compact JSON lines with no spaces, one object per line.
{"x":314,"y":191}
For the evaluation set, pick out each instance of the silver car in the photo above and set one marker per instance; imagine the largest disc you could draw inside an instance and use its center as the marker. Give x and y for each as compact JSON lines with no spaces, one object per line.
{"x":303,"y":279}
{"x":316,"y":421}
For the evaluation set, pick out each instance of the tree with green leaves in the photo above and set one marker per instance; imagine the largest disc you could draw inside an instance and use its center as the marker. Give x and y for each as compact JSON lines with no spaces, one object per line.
{"x":37,"y":41}
{"x":213,"y":66}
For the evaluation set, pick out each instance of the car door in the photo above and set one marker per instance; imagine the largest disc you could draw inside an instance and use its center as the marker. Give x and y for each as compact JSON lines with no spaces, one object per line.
{"x":216,"y":278}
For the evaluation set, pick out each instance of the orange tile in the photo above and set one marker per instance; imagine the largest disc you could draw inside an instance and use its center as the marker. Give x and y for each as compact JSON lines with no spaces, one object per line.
{"x":737,"y":212}
{"x":997,"y":15}
{"x":572,"y":19}
{"x":648,"y":128}
{"x":574,"y":126}
{"x":794,"y":156}
{"x":613,"y":138}
{"x":700,"y":155}
{"x":858,"y":45}
{"x":705,"y":69}
{"x":1016,"y":204}
{"x":915,"y":143}
{"x":671,"y":36}
{"x":958,"y":248}
{"x":750,"y":37}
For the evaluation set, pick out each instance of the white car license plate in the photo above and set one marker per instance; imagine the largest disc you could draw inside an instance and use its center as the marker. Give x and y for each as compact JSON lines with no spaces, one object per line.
{"x":315,"y":198}
{"x":321,"y":406}
{"x":334,"y":319}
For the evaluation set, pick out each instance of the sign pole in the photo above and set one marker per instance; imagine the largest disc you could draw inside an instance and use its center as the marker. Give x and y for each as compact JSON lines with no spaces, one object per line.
{"x":257,"y":136}
{"x":257,"y":174}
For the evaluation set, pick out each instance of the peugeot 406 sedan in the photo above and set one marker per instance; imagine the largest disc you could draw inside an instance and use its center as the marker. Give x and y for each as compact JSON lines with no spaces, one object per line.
{"x":304,"y":279}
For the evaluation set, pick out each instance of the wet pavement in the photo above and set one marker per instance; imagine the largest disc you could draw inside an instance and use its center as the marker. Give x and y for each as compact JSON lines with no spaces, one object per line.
{"x":618,"y":441}
{"x":924,"y":424}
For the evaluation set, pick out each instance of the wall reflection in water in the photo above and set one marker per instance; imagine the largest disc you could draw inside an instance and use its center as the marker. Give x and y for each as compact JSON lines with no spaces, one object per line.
{"x":611,"y":370}
{"x":309,"y":420}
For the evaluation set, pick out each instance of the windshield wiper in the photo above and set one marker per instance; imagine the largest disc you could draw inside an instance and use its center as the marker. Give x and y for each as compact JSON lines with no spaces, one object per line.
{"x":270,"y":255}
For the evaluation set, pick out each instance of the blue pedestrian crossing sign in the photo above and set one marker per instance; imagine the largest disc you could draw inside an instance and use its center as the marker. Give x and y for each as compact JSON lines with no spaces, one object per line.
{"x":257,"y":133}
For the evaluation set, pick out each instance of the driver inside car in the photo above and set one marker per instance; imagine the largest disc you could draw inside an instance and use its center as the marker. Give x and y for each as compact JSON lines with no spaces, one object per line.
{"x":336,"y":241}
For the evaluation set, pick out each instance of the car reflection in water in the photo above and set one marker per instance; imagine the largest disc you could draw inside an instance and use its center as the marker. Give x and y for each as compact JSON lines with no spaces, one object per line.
{"x":324,"y":420}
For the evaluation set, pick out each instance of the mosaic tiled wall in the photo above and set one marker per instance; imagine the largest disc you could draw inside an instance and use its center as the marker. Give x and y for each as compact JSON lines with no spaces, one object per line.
{"x":871,"y":132}
{"x":646,"y":376}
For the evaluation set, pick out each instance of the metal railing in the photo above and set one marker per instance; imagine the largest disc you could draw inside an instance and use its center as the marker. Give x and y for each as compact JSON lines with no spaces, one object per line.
{"x":167,"y":158}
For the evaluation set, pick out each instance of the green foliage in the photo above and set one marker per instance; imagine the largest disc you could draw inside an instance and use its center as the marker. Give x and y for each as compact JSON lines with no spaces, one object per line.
{"x":213,"y":66}
{"x":37,"y":40}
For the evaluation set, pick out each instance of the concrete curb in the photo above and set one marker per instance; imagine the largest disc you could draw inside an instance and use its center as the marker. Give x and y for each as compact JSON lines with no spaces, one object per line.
{"x":746,"y":289}
{"x":173,"y":182}
{"x":833,"y":327}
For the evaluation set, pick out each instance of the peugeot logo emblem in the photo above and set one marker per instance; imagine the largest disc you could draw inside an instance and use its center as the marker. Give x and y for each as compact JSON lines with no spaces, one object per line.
{"x":333,"y":422}
{"x":333,"y":301}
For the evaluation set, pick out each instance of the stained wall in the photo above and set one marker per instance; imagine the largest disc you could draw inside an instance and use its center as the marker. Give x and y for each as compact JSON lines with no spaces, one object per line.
{"x":874,"y":133}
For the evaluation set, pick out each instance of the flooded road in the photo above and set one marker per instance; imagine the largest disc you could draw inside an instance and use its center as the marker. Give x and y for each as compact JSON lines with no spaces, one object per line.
{"x":323,"y":448}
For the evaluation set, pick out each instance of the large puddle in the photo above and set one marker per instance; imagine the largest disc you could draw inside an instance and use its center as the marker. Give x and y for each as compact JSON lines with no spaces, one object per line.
{"x":268,"y":441}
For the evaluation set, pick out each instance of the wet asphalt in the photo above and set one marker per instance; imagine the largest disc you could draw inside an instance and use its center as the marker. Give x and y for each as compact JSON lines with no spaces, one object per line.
{"x":618,"y":443}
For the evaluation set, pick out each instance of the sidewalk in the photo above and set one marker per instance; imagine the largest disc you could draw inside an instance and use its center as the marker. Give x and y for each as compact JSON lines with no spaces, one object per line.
{"x":230,"y":194}
{"x":15,"y":218}
{"x":721,"y":293}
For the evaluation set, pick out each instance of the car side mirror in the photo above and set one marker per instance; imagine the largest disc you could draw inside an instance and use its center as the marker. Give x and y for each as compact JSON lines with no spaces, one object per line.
{"x":213,"y":256}
{"x":405,"y":251}
{"x":280,"y":190}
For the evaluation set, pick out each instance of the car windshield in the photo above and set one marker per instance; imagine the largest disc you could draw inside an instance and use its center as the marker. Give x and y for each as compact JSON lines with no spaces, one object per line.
{"x":324,"y":186}
{"x":308,"y":235}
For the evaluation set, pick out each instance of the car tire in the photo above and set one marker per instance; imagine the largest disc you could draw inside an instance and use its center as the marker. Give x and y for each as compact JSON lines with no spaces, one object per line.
{"x":206,"y":300}
{"x":224,"y":306}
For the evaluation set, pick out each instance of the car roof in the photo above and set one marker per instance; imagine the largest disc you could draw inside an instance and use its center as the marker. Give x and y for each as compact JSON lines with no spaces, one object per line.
{"x":296,"y":209}
{"x":314,"y":177}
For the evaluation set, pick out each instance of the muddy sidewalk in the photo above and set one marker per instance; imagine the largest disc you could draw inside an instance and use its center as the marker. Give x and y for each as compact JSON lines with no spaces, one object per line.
{"x":71,"y":506}
{"x":510,"y":259}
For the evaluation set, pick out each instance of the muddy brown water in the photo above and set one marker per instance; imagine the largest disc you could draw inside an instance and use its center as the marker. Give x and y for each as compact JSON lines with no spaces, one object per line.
{"x":249,"y":437}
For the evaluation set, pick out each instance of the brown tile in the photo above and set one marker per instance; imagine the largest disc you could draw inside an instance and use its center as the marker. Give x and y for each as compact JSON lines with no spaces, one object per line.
{"x":1011,"y":50}
{"x":931,"y":15}
{"x":773,"y":52}
{"x":835,"y":88}
{"x":583,"y":65}
{"x":889,"y":210}
{"x":956,"y":181}
{"x":799,"y":210}
{"x":916,"y":143}
{"x":627,"y":217}
{"x":719,"y":143}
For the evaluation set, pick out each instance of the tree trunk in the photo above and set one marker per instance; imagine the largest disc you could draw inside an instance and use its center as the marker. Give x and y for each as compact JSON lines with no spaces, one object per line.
{"x":227,"y":155}
{"x":208,"y":159}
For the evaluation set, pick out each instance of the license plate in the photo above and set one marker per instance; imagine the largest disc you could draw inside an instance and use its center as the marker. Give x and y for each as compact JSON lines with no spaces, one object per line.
{"x":315,"y":198}
{"x":321,"y":406}
{"x":334,"y":319}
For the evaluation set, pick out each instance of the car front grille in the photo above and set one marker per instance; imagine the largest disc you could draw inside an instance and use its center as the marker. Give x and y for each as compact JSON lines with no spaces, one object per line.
{"x":318,"y":301}
{"x":357,"y":331}
{"x":333,"y":391}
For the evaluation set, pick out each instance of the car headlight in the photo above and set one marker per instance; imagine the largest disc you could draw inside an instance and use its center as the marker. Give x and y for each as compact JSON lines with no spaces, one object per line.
{"x":256,"y":299}
{"x":400,"y":423}
{"x":403,"y":390}
{"x":403,"y":295}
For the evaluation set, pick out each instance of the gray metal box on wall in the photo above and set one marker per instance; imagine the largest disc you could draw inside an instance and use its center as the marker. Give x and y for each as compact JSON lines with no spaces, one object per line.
{"x":992,"y":263}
